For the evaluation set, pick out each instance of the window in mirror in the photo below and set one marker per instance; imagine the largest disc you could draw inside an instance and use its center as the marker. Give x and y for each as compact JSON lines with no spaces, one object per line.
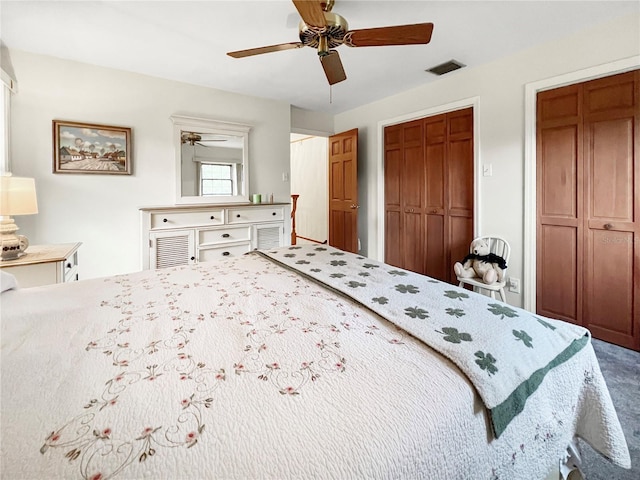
{"x":216,"y":179}
{"x":212,"y":161}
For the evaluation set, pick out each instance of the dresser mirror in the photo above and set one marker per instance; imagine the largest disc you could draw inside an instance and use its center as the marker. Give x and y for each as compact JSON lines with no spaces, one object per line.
{"x":212,"y":161}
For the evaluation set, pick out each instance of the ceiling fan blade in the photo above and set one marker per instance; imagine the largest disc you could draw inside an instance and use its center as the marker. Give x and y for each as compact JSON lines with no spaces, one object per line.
{"x":311,"y":12}
{"x":419,"y":33}
{"x":332,"y":66}
{"x":268,"y":49}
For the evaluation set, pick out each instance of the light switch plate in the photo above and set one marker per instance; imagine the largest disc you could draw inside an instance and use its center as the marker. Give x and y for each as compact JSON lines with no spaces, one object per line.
{"x":514,"y":285}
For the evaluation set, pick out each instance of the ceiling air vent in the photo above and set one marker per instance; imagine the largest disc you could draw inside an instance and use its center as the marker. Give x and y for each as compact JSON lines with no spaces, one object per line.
{"x":446,"y":67}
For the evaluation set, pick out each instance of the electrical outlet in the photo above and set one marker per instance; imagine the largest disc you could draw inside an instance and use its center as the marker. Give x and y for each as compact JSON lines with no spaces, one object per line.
{"x":514,"y":285}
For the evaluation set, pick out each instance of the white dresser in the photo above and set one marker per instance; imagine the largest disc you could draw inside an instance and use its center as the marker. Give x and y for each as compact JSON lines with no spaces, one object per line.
{"x":45,"y":265}
{"x":189,"y":234}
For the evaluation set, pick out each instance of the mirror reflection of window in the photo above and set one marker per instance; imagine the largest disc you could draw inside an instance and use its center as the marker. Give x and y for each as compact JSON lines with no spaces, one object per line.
{"x":216,"y":179}
{"x":211,"y":164}
{"x":203,"y":143}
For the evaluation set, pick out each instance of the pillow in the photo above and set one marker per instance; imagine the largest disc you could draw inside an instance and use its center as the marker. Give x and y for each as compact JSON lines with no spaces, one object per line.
{"x":7,"y":281}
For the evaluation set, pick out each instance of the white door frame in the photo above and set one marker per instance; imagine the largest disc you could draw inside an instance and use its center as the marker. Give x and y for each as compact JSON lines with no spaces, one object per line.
{"x":447,"y":107}
{"x":530,"y":215}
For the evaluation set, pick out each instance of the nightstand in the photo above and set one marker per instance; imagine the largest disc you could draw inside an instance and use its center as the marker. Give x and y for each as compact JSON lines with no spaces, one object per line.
{"x":45,"y":265}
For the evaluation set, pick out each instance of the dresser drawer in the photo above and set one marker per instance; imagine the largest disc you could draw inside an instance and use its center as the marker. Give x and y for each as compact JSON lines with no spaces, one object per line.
{"x":70,"y":268}
{"x":255,"y":214}
{"x":183,"y":219}
{"x":225,"y":251}
{"x":216,"y":236}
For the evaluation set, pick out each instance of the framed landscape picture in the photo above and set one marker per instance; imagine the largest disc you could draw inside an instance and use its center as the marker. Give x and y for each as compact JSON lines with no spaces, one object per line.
{"x":90,"y":148}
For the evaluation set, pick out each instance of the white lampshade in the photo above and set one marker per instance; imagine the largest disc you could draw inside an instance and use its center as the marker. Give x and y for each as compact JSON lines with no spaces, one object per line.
{"x":17,"y":196}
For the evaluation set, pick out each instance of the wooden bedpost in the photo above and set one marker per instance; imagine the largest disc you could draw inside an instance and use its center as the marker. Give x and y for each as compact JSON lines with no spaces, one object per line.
{"x":293,"y":219}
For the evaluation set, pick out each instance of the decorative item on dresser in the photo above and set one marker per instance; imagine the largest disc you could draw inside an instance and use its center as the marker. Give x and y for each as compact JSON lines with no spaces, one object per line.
{"x":45,"y":265}
{"x":186,"y":235}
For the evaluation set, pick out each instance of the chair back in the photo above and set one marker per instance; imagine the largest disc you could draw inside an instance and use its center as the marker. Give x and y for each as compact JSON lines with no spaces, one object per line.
{"x":497,"y":245}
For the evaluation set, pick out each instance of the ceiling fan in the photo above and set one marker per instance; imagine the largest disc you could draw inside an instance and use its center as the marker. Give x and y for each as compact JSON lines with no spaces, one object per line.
{"x":323,"y":30}
{"x":192,"y":138}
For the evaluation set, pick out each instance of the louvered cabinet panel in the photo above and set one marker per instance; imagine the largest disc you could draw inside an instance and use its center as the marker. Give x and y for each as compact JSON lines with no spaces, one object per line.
{"x":171,"y":249}
{"x":268,"y":235}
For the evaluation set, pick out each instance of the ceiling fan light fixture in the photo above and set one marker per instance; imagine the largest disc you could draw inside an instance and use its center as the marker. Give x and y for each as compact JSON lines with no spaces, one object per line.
{"x":446,"y":67}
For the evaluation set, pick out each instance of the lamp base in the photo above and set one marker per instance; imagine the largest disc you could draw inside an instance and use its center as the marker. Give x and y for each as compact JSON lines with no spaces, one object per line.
{"x":12,"y":246}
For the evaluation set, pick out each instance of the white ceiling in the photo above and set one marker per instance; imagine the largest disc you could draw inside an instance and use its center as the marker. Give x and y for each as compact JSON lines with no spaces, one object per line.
{"x":188,"y":40}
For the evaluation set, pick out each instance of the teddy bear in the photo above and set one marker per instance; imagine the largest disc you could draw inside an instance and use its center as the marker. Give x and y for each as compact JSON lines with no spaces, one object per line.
{"x":481,"y":263}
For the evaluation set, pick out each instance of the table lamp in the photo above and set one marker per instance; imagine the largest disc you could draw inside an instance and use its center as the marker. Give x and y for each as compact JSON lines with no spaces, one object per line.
{"x":17,"y":197}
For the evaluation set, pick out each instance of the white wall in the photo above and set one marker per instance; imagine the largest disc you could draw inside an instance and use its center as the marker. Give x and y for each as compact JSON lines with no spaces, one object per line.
{"x":500,"y":88}
{"x":102,"y":210}
{"x":309,"y":179}
{"x":311,"y":123}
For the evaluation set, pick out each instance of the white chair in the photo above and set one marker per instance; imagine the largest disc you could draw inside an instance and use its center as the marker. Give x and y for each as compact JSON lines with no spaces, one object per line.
{"x":500,"y":247}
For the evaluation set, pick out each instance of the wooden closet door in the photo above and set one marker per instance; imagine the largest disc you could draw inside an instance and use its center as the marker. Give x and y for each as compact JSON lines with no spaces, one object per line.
{"x":393,"y":195}
{"x":437,"y":262}
{"x":413,"y":188}
{"x":559,"y":239}
{"x":588,"y":200}
{"x":459,"y":186}
{"x":429,"y":193}
{"x":612,"y":226}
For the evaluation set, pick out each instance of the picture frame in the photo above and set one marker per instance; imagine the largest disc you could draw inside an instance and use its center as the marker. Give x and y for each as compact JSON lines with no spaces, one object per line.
{"x":91,"y":148}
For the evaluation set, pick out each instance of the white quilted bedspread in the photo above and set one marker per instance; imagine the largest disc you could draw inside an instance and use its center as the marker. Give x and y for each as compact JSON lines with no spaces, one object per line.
{"x":242,"y":369}
{"x":504,"y":351}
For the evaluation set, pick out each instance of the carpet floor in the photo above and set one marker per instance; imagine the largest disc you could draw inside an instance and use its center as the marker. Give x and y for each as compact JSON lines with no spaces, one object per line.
{"x":621,"y":370}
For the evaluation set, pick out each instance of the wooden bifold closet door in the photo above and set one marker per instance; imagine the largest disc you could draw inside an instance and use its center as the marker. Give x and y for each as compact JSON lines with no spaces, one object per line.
{"x":588,"y":206}
{"x":428,"y":178}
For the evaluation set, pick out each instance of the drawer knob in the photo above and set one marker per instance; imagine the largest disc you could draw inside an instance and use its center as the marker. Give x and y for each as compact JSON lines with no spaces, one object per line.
{"x":226,"y":254}
{"x":68,"y":265}
{"x":238,"y":216}
{"x":212,"y":217}
{"x":274,"y":213}
{"x":165,"y":220}
{"x":193,"y":258}
{"x":225,"y":235}
{"x":608,"y":226}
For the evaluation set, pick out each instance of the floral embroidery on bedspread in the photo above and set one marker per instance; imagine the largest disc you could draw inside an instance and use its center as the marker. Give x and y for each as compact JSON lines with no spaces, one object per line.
{"x":148,"y":348}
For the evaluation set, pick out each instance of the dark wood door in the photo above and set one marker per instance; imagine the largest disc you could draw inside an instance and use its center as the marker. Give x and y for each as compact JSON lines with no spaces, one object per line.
{"x":343,"y":191}
{"x":393,"y":213}
{"x":589,"y":206}
{"x":428,"y":168}
{"x":412,"y":199}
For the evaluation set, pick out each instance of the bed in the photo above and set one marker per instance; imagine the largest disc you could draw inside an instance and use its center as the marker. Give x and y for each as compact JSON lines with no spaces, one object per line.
{"x":298,"y":362}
